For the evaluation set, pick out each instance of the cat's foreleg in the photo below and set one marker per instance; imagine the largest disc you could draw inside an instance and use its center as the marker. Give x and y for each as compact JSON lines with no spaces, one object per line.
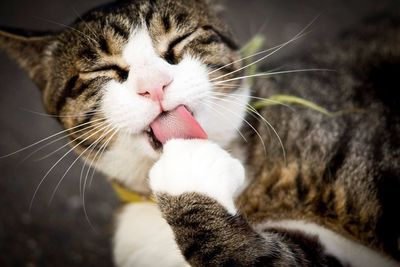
{"x":195,"y":183}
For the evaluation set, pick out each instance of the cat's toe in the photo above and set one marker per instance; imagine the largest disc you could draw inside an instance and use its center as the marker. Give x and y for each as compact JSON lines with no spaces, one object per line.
{"x":198,"y":166}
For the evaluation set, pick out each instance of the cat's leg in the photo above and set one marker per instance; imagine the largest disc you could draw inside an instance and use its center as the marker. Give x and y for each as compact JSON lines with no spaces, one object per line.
{"x":195,"y":183}
{"x":143,"y":238}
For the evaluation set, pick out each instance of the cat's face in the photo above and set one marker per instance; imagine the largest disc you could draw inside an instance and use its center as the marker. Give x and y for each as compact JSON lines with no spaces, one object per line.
{"x":119,"y":67}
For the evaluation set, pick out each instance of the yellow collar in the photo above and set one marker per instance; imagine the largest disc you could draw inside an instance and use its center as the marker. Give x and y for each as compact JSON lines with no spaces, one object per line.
{"x":128,"y":196}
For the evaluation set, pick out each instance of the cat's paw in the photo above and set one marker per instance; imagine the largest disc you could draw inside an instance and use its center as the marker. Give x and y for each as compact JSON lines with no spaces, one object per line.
{"x":198,"y":166}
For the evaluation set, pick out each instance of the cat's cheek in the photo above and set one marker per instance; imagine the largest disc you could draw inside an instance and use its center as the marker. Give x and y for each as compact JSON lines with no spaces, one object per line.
{"x":198,"y":166}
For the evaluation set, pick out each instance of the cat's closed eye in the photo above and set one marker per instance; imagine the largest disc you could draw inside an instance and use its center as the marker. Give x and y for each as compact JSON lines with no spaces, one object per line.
{"x":170,"y":55}
{"x":202,"y":36}
{"x":114,"y":71}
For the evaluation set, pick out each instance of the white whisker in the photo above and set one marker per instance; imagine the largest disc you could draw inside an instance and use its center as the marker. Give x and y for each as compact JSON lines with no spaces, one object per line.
{"x":92,"y":161}
{"x":73,"y":163}
{"x":248,"y":110}
{"x":49,"y":137}
{"x":83,"y":194}
{"x":95,"y":111}
{"x":275,"y":132}
{"x":268,"y":55}
{"x":58,"y":139}
{"x":267,"y":123}
{"x":256,"y":54}
{"x":255,"y":97}
{"x":55,"y":164}
{"x":97,"y":157}
{"x":270,"y":74}
{"x":243,"y":119}
{"x":72,"y":141}
{"x":219,"y":113}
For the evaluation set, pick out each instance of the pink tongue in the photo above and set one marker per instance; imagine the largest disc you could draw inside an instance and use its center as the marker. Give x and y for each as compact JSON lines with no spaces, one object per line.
{"x":177,"y":124}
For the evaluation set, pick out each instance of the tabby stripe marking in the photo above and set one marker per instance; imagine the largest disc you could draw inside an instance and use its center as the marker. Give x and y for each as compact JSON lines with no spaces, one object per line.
{"x":89,"y":54}
{"x":120,"y":30}
{"x":338,"y":159}
{"x":302,"y":189}
{"x":230,"y":43}
{"x":149,"y":16}
{"x":89,"y":115}
{"x":103,"y":45}
{"x":209,"y":40}
{"x":70,"y":90}
{"x":166,"y":23}
{"x":92,"y":93}
{"x":80,"y":89}
{"x":181,"y":18}
{"x":196,"y":244}
{"x":169,"y":56}
{"x":62,"y":99}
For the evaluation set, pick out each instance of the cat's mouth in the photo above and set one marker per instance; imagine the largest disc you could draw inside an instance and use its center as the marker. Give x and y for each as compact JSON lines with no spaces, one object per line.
{"x":175,"y":124}
{"x":154,"y":142}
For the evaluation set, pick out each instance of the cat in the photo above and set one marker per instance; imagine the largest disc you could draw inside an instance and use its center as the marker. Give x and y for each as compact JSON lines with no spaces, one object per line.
{"x":226,"y":193}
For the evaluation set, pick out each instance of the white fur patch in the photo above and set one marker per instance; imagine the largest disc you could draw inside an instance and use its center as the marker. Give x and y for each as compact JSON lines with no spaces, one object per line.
{"x":198,"y":166}
{"x":347,"y":251}
{"x":129,"y":160}
{"x":143,"y":238}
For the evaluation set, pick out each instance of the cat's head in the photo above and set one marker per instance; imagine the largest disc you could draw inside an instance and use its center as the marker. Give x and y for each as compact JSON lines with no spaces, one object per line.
{"x":110,"y":74}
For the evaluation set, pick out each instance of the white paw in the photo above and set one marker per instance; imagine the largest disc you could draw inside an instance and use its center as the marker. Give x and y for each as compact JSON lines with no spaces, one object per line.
{"x":198,"y":166}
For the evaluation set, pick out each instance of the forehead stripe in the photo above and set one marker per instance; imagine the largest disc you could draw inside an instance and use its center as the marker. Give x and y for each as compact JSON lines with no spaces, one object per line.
{"x":228,"y":41}
{"x":120,"y":30}
{"x":66,"y":91}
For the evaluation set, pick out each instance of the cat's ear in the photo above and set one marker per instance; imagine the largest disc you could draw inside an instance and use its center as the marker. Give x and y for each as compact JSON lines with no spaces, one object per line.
{"x":29,"y":50}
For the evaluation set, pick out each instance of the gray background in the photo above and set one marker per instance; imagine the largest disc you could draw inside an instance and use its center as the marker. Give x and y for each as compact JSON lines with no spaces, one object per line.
{"x":59,"y":234}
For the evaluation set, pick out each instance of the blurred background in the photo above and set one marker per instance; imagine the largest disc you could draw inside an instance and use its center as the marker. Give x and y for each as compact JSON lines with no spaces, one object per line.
{"x":59,"y":234}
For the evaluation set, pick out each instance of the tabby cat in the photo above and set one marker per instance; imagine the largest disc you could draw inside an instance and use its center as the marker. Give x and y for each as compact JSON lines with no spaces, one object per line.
{"x":152,"y":93}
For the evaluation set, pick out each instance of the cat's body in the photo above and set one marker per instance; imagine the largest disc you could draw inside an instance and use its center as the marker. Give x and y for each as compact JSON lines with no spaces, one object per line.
{"x":329,"y":157}
{"x":331,"y":203}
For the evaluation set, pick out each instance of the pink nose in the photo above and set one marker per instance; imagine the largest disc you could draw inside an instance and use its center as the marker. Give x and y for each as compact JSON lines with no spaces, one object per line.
{"x":153,"y":84}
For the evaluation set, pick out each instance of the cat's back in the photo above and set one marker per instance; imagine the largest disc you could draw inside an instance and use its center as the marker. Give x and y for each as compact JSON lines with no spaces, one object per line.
{"x":342,"y":170}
